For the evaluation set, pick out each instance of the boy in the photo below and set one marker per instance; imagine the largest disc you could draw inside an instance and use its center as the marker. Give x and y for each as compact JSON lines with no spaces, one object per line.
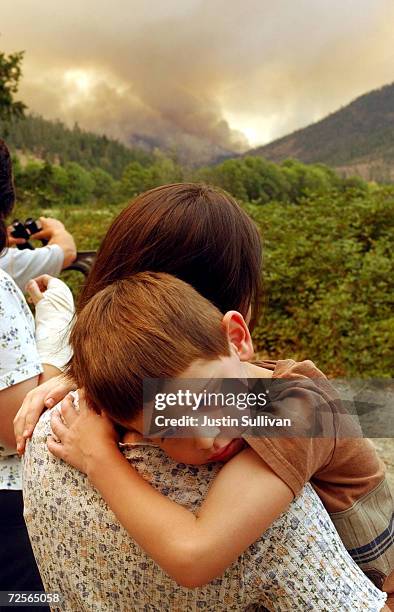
{"x":153,"y":325}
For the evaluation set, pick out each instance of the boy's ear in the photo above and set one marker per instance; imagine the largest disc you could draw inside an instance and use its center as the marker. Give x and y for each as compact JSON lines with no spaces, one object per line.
{"x":238,"y":334}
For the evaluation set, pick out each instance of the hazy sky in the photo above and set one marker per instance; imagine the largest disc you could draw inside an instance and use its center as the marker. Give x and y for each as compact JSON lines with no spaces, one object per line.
{"x":220,"y":72}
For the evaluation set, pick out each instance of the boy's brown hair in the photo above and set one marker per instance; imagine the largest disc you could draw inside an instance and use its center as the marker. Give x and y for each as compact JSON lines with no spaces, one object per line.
{"x":151,"y":325}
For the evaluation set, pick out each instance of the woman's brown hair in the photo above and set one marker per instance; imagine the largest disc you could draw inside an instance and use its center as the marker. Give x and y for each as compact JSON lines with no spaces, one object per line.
{"x":195,"y":232}
{"x":7,"y":192}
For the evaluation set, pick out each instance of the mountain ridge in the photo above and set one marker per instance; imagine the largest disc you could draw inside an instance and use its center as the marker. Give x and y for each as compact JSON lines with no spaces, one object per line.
{"x":356,"y":139}
{"x":55,"y":141}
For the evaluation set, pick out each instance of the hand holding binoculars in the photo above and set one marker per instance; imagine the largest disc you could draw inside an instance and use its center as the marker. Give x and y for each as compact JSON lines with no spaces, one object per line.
{"x":26,"y":230}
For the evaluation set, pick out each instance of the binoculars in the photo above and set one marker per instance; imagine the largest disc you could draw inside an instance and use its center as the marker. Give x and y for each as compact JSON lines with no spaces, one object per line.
{"x":83,"y":262}
{"x":25,"y":230}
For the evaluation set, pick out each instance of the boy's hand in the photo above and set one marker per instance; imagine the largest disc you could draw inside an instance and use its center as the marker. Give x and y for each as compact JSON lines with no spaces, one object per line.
{"x":83,"y":435}
{"x":36,"y":401}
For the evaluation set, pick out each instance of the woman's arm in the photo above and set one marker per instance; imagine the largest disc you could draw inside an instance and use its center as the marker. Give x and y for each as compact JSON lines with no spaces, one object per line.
{"x":11,"y":399}
{"x":244,"y":499}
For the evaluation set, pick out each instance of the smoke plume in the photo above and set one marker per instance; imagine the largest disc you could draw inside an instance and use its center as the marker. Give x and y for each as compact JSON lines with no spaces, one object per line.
{"x":206,"y":78}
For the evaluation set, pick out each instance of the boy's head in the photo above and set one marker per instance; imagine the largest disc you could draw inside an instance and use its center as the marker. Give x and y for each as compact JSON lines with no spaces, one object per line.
{"x":152,"y":325}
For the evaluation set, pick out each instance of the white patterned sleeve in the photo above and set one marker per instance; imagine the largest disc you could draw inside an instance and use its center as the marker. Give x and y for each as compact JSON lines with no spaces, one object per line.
{"x":300,"y":564}
{"x":19,"y":359}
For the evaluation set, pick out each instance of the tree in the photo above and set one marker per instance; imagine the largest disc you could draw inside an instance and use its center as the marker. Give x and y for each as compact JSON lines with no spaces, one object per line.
{"x":105,"y":186}
{"x":10,"y":73}
{"x":135,"y":179}
{"x":80,"y":184}
{"x":164,"y":170}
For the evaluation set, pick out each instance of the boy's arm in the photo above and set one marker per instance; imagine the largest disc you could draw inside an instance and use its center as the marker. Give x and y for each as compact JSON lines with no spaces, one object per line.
{"x":38,"y":399}
{"x":244,"y":499}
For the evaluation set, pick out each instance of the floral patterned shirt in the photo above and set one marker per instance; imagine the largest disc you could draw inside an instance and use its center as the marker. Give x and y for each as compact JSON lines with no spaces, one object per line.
{"x":19,"y":361}
{"x":82,"y":551}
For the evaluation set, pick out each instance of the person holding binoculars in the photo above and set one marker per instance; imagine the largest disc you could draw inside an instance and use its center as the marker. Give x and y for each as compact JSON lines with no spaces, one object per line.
{"x":25,"y":262}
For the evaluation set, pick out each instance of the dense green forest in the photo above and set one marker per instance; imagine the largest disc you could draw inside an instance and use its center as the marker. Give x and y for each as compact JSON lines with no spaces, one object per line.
{"x":328,"y":277}
{"x":250,"y":179}
{"x":358,"y":138}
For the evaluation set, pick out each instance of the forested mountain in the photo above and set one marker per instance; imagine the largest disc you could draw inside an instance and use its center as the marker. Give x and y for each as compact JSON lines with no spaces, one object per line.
{"x":52,"y":141}
{"x":357,"y":139}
